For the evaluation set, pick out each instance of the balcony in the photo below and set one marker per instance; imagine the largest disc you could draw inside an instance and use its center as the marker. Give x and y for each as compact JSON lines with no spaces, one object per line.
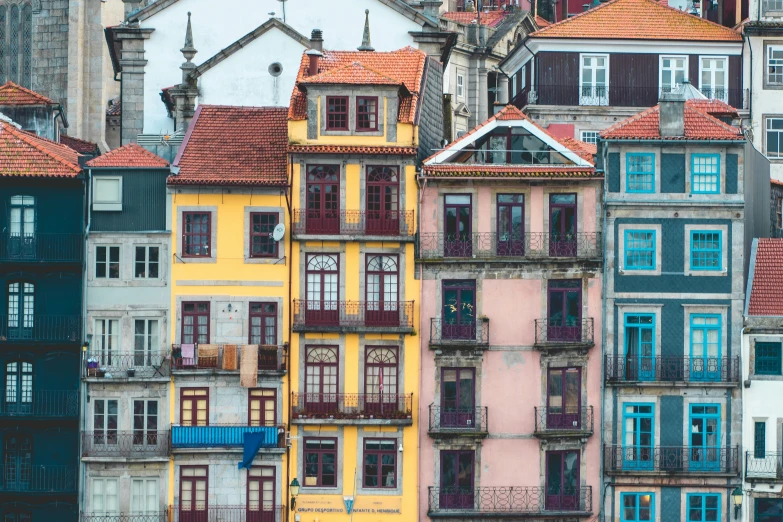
{"x":41,"y":328}
{"x":226,"y":436}
{"x":445,"y":334}
{"x":125,"y":445}
{"x":497,"y":248}
{"x":458,"y":422}
{"x":353,"y":316}
{"x":767,"y":468}
{"x":509,"y":502}
{"x":352,"y":408}
{"x":259,"y":513}
{"x":124,"y":366}
{"x":161,"y":516}
{"x":683,"y":370}
{"x":556,"y":423}
{"x":665,"y":460}
{"x":553,"y":336}
{"x":38,"y":479}
{"x":41,"y":248}
{"x":399,"y":224}
{"x":226,"y":358}
{"x":46,"y":404}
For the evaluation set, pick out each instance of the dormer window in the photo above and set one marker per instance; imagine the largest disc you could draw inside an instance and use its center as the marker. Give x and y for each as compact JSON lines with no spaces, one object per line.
{"x":337,"y":113}
{"x":366,"y":113}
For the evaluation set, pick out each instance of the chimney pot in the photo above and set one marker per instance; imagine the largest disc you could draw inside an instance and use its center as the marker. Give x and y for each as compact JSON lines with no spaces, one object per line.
{"x":317,"y":40}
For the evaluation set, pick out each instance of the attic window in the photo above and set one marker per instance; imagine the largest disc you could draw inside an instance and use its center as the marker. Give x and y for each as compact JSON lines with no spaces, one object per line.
{"x":107,"y":193}
{"x":336,"y":113}
{"x":276,"y":69}
{"x":366,"y":113}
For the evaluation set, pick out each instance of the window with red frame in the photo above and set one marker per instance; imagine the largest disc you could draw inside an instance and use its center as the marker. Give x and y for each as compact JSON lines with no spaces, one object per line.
{"x":196,"y":234}
{"x":263,"y":323}
{"x":195,"y":322}
{"x":366,"y":113}
{"x":320,"y":462}
{"x":337,"y":113}
{"x":261,"y":226}
{"x":380,"y":463}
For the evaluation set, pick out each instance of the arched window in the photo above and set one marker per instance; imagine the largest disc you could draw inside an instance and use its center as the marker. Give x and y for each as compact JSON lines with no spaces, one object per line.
{"x":321,"y":379}
{"x":382,"y":290}
{"x":18,"y":458}
{"x":13,"y":44}
{"x":18,"y":384}
{"x":21,"y":307}
{"x":380,"y":374}
{"x":16,"y":43}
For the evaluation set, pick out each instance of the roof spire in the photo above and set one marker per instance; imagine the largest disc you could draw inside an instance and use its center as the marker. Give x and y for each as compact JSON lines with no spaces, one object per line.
{"x":366,"y":45}
{"x":188,"y":51}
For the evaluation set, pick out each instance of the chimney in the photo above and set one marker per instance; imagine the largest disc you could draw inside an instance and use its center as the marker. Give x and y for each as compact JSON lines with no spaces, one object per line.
{"x":317,"y":40}
{"x":672,"y":114}
{"x":314,"y":57}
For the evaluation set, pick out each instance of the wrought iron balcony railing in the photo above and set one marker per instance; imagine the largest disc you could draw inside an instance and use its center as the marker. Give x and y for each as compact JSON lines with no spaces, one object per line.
{"x":560,"y":421}
{"x":622,"y":369}
{"x":672,"y":459}
{"x":354,"y":222}
{"x":226,"y":357}
{"x":41,"y":403}
{"x":497,"y":247}
{"x":764,"y":467}
{"x":38,"y":479}
{"x":41,"y":248}
{"x":40,"y":328}
{"x":317,"y":315}
{"x":119,"y":365}
{"x":554,"y":334}
{"x":510,"y":500}
{"x":456,"y":420}
{"x":467,"y":333}
{"x":362,"y":406}
{"x":253,"y":512}
{"x":139,"y":444}
{"x":226,"y":436}
{"x":158,"y":516}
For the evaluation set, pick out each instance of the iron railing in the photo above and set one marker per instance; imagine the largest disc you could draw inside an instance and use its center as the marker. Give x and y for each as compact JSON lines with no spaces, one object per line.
{"x":271,"y":358}
{"x":158,"y":516}
{"x":768,"y":466}
{"x":494,"y":246}
{"x":371,"y":314}
{"x":41,"y":328}
{"x":226,"y":435}
{"x":469,"y":333}
{"x":563,"y":420}
{"x":138,"y":444}
{"x":618,"y":369}
{"x":38,"y":479}
{"x":554,"y":333}
{"x":42,"y":403}
{"x":354,"y":222}
{"x":351,"y":406}
{"x":672,"y":459}
{"x":458,"y":420}
{"x":511,"y":500}
{"x":118,"y":365}
{"x":261,"y":512}
{"x":41,"y":248}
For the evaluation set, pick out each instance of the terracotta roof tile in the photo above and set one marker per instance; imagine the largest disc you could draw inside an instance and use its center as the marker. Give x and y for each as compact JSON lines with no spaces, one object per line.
{"x":234,"y":146}
{"x":25,"y":154}
{"x":115,"y":108}
{"x":585,"y":150}
{"x":508,"y":171}
{"x":13,"y":94}
{"x":404,"y":66}
{"x":542,"y":22}
{"x":638,"y":20}
{"x":713,"y":107}
{"x":766,"y":294}
{"x":350,"y":149}
{"x":491,"y":19}
{"x":80,"y":146}
{"x":698,"y":126}
{"x":129,"y":156}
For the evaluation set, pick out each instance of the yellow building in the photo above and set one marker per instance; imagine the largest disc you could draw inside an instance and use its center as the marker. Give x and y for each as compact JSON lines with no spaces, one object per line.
{"x":358,"y":122}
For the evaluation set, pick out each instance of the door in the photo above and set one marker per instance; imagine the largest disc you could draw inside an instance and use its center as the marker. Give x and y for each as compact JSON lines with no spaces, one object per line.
{"x":510,"y":226}
{"x":104,"y":421}
{"x":457,"y":226}
{"x":18,"y":462}
{"x":21,"y":228}
{"x":705,"y":347}
{"x":637,"y":449}
{"x":21,"y":310}
{"x":145,"y":424}
{"x":18,"y":388}
{"x":459,"y":310}
{"x":704,"y":437}
{"x":193,"y":502}
{"x":380,"y":380}
{"x":594,"y":80}
{"x":458,"y":398}
{"x":639,"y":347}
{"x":562,"y":225}
{"x":456,"y":480}
{"x":261,"y":494}
{"x":323,"y":199}
{"x":322,"y":294}
{"x":262,"y":407}
{"x":564,"y":388}
{"x":383,"y":187}
{"x":321,"y":380}
{"x":382,"y":307}
{"x":564,"y":323}
{"x":562,"y":480}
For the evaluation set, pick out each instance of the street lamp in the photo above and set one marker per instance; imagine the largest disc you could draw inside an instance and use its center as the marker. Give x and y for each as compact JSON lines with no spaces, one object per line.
{"x":294,"y":487}
{"x":736,"y":497}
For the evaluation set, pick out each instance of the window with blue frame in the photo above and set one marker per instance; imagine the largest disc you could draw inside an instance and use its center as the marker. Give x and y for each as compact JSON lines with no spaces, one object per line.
{"x":768,"y":359}
{"x":768,"y":510}
{"x":705,"y":173}
{"x":639,"y":347}
{"x":637,"y":507}
{"x":638,"y":433}
{"x":640,"y":173}
{"x":706,"y":364}
{"x":759,"y":439}
{"x":706,"y":250}
{"x":703,"y":507}
{"x":640,"y":249}
{"x":704,"y":438}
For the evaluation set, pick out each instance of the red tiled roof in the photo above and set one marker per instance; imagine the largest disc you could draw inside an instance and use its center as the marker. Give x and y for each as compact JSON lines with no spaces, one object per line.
{"x":698,"y":126}
{"x":28,"y":155}
{"x":776,"y":182}
{"x":115,"y":109}
{"x":585,"y":150}
{"x":234,"y":146}
{"x":766,"y":294}
{"x":492,"y":18}
{"x":404,"y":66}
{"x":80,"y":146}
{"x":508,"y":171}
{"x":713,"y":107}
{"x":351,"y":149}
{"x":129,"y":156}
{"x":542,"y":22}
{"x":13,"y":94}
{"x":638,"y":20}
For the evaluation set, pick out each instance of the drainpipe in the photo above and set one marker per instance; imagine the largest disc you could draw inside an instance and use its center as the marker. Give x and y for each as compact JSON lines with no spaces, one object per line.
{"x":602,"y":152}
{"x":290,"y":331}
{"x":83,"y":385}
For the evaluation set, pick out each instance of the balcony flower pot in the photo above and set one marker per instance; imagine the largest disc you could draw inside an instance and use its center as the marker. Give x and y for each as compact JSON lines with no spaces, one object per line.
{"x":100,"y":372}
{"x":131,"y":372}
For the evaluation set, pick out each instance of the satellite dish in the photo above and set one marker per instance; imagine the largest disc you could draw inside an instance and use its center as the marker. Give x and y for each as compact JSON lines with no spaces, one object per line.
{"x":278,"y":232}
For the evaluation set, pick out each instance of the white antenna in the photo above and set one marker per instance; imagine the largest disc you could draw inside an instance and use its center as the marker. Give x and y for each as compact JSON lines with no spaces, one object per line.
{"x":278,"y":232}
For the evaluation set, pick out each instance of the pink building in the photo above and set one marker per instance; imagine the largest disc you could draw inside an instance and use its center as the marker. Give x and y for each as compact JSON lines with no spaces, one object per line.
{"x":510,"y":258}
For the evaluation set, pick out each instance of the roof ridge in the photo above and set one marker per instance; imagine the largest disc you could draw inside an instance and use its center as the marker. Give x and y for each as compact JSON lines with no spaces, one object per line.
{"x":629,"y":120}
{"x":118,"y":152}
{"x":561,"y":22}
{"x":329,"y":72}
{"x":32,"y":141}
{"x":713,"y":119}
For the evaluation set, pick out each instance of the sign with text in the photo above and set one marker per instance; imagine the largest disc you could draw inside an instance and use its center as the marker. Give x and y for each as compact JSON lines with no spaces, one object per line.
{"x":378,"y":505}
{"x":320,"y":504}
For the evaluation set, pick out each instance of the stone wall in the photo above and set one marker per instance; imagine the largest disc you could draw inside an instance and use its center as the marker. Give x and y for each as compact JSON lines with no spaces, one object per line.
{"x":50,"y":50}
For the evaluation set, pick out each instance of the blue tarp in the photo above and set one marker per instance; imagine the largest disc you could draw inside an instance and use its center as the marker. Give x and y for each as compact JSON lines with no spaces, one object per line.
{"x":220,"y":436}
{"x":253,"y":443}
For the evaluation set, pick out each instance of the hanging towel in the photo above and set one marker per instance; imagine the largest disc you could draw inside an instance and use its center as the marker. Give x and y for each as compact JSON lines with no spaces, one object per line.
{"x":230,"y":357}
{"x":253,"y":442}
{"x":188,"y":354}
{"x":207,"y":355}
{"x":248,"y":366}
